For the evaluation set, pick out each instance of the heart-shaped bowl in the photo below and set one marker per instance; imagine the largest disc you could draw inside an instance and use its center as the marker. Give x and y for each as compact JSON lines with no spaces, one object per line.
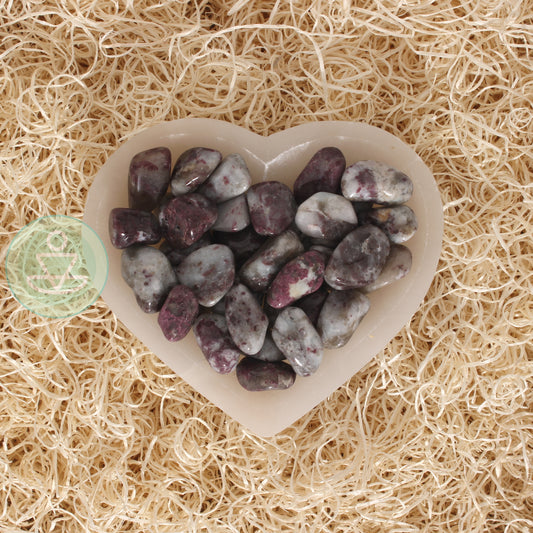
{"x":280,"y":157}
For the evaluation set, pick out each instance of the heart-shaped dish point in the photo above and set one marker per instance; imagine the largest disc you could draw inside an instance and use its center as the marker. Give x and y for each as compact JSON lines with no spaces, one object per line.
{"x":279,"y":157}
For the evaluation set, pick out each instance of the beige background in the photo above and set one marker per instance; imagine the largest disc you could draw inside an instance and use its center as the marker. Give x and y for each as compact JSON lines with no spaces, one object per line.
{"x":435,"y":434}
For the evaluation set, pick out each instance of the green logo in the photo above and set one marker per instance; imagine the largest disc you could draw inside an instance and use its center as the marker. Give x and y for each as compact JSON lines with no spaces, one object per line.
{"x":56,"y":266}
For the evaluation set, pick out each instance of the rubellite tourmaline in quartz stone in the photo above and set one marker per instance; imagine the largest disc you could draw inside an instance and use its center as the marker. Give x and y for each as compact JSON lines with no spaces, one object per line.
{"x":398,"y":222}
{"x":212,"y":336}
{"x":233,"y":215}
{"x":269,"y":351}
{"x":242,"y":243}
{"x":312,"y":303}
{"x":132,"y":226}
{"x":149,"y":273}
{"x":396,"y":267}
{"x":374,"y":181}
{"x":272,"y":207}
{"x":148,"y":178}
{"x":186,"y":218}
{"x":341,"y":313}
{"x":358,"y":259}
{"x":177,"y":255}
{"x":178,"y":313}
{"x":192,"y":168}
{"x":258,"y":272}
{"x":322,"y":173}
{"x":326,"y":216}
{"x":231,"y":178}
{"x":246,"y":321}
{"x":300,"y":276}
{"x":298,"y":340}
{"x":255,"y":375}
{"x":209,"y":272}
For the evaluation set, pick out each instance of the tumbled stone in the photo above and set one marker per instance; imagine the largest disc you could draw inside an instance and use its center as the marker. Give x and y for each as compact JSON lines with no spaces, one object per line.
{"x":230,"y":179}
{"x":246,"y":321}
{"x":396,"y":267}
{"x":298,"y":340}
{"x":325,"y":250}
{"x":242,"y":243}
{"x":258,"y":272}
{"x":312,"y":303}
{"x":358,"y":259}
{"x":399,"y":222}
{"x":209,"y":272}
{"x":326,"y":216}
{"x":233,"y":215}
{"x":374,"y":181}
{"x":148,"y":178}
{"x":213,"y":338}
{"x":341,"y":313}
{"x":272,"y":207}
{"x":178,"y":313}
{"x":149,"y":273}
{"x":322,"y":173}
{"x":300,"y":276}
{"x":254,"y":375}
{"x":192,"y":168}
{"x":177,"y":255}
{"x":186,"y":218}
{"x":269,"y":351}
{"x":132,"y":226}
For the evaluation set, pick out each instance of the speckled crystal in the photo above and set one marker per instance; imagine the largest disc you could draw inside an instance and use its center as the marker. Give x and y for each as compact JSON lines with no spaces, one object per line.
{"x":298,"y":340}
{"x":340,"y":315}
{"x":149,"y":273}
{"x":209,"y":272}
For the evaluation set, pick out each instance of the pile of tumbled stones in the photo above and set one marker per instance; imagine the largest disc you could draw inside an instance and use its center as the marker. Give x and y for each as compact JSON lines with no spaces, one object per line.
{"x":265,"y":277}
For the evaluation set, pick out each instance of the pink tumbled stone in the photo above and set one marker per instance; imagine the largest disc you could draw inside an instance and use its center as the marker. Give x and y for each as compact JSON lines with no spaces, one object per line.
{"x":178,"y":313}
{"x":184,"y":219}
{"x":272,"y":207}
{"x":299,"y":277}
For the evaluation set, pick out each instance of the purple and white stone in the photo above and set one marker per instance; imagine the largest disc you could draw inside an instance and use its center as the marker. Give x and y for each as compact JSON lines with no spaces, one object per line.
{"x":272,"y":207}
{"x":177,"y":255}
{"x":214,"y":340}
{"x":340,"y":315}
{"x":374,"y":181}
{"x":230,"y":179}
{"x":300,"y":276}
{"x":398,"y":222}
{"x":149,"y":273}
{"x":254,"y":375}
{"x":326,"y":216}
{"x":259,"y":271}
{"x":148,"y":178}
{"x":132,"y":226}
{"x":209,"y":272}
{"x":325,"y":249}
{"x":233,"y":215}
{"x":247,"y":324}
{"x":397,"y":266}
{"x":358,"y":259}
{"x":242,"y":243}
{"x":269,"y":351}
{"x":186,"y":218}
{"x":192,"y":168}
{"x":298,"y":340}
{"x":312,"y":303}
{"x":322,"y":173}
{"x":178,"y":313}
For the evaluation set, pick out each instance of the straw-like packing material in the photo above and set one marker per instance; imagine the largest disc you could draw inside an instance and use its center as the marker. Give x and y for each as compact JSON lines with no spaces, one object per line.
{"x":435,"y":434}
